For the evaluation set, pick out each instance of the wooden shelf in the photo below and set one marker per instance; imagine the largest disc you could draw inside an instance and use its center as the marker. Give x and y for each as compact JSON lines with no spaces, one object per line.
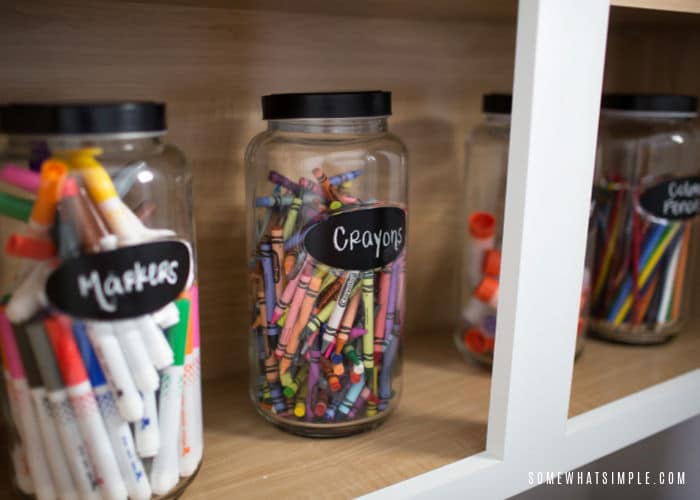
{"x":441,"y":418}
{"x":689,"y":6}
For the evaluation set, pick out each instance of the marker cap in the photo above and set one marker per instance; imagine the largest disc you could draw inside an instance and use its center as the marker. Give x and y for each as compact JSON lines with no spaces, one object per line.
{"x":492,"y":263}
{"x":474,"y":340}
{"x":92,"y":365}
{"x":482,"y":225}
{"x":177,"y":335}
{"x":487,"y":289}
{"x":69,"y":361}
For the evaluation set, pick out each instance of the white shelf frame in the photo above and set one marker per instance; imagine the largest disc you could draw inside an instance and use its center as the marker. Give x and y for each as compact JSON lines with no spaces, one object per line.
{"x":560,"y":54}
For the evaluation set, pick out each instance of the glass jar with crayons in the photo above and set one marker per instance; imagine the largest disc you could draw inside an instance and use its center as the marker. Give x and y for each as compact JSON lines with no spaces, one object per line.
{"x":484,"y":206}
{"x":647,"y":197}
{"x":327,"y":190}
{"x":99,"y":326}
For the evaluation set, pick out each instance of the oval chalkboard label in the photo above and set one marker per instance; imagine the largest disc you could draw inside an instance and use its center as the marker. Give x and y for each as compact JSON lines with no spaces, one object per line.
{"x":122,"y":283}
{"x":675,"y":199}
{"x":359,"y":240}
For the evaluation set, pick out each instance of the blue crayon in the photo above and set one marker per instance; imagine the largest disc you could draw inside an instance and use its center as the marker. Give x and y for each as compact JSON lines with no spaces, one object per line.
{"x":344,"y":177}
{"x":387,"y":362}
{"x":294,"y":241}
{"x":285,"y":200}
{"x":333,"y":405}
{"x":277,"y":399}
{"x":351,"y":396}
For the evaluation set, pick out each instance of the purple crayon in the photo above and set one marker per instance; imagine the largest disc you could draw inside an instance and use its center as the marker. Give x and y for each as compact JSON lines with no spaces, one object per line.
{"x":391,"y":308}
{"x":266,"y":257}
{"x":283,"y":181}
{"x":314,"y":375}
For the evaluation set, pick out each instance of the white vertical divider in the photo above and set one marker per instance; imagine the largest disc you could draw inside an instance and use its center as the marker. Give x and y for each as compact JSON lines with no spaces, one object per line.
{"x":557,"y":86}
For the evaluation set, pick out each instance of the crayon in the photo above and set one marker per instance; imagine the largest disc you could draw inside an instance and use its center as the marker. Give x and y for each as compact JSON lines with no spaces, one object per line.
{"x":346,"y":292}
{"x":380,"y":319}
{"x":283,"y":181}
{"x":276,"y":243}
{"x":336,"y":180}
{"x":292,"y":314}
{"x":346,"y":324}
{"x":305,"y":310}
{"x":351,"y":396}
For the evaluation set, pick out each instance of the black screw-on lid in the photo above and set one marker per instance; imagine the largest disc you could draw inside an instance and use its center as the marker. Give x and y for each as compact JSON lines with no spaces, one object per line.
{"x":655,"y":103}
{"x":82,"y":118}
{"x":326,"y":105}
{"x":497,"y":103}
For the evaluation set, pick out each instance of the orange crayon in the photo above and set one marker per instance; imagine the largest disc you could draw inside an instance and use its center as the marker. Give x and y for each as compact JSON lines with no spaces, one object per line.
{"x":348,"y":320}
{"x":305,"y":310}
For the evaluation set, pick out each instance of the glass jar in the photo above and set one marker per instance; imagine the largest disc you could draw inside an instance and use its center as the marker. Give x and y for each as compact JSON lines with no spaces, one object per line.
{"x":484,"y":205}
{"x":647,"y":197}
{"x":99,"y":330}
{"x":327,"y":191}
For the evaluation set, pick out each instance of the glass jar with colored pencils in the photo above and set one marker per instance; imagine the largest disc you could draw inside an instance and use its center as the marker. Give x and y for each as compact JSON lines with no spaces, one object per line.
{"x":647,"y":197}
{"x":327,"y":192}
{"x":484,"y":205}
{"x":99,"y":329}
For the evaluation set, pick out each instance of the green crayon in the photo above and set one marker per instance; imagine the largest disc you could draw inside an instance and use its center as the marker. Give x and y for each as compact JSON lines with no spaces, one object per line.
{"x":368,"y":338}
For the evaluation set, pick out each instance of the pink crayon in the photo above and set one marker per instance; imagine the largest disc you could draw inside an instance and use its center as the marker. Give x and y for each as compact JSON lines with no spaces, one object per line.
{"x":293,"y":313}
{"x":356,"y":333}
{"x":288,"y":294}
{"x":9,"y":347}
{"x":20,"y":177}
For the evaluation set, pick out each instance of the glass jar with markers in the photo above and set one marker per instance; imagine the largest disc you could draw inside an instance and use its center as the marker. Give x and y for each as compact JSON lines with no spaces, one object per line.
{"x":484,"y":206}
{"x":647,"y":198}
{"x":99,"y":326}
{"x":327,"y":190}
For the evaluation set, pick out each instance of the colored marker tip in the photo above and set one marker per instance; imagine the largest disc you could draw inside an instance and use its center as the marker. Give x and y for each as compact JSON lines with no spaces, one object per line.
{"x":70,"y":188}
{"x":482,"y":224}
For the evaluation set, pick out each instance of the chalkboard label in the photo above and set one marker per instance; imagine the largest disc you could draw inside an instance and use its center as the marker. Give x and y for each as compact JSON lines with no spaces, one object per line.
{"x":120,"y":284}
{"x":675,"y":199}
{"x":362,"y":239}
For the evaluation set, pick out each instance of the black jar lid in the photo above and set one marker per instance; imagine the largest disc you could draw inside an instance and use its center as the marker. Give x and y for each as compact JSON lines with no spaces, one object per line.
{"x":326,"y":105}
{"x":660,"y":104}
{"x":498,"y":104}
{"x":77,"y":118}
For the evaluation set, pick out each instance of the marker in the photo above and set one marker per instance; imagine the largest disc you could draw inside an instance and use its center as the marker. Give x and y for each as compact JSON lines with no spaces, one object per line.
{"x":30,"y":296}
{"x":191,"y":436}
{"x":120,"y":219}
{"x":15,"y":207}
{"x":29,"y":248}
{"x":136,"y":355}
{"x":482,"y":230}
{"x":167,"y":316}
{"x":20,"y":177}
{"x":116,"y":369}
{"x":74,"y":448}
{"x":165,"y":468}
{"x":146,"y":430}
{"x":53,"y":172}
{"x":118,"y":431}
{"x":87,"y":413}
{"x":159,"y":351}
{"x":27,"y":419}
{"x":52,"y":448}
{"x":492,"y":263}
{"x":126,"y":177}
